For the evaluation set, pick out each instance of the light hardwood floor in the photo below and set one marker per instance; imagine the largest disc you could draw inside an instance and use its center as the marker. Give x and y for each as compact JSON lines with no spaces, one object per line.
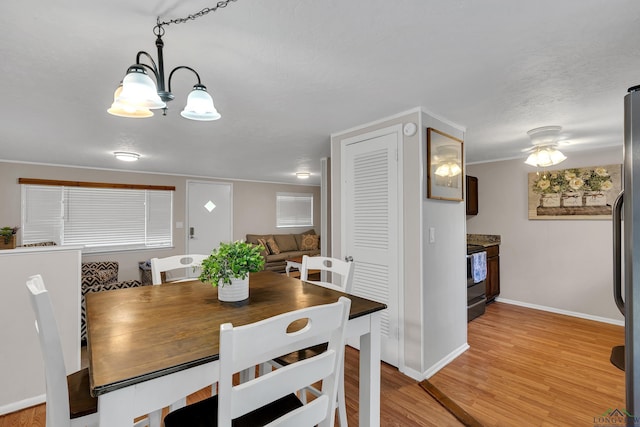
{"x":524,"y":368}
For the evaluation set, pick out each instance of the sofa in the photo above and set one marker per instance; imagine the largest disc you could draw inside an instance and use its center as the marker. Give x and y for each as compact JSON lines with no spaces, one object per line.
{"x":278,"y":248}
{"x":99,"y":276}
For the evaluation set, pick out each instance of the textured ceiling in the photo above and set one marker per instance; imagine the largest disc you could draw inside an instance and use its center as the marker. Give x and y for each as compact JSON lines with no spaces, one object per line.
{"x":286,"y":74}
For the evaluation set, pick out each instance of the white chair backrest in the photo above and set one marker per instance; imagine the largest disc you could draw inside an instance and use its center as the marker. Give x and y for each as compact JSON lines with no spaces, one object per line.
{"x":54,"y":367}
{"x":159,"y":265}
{"x":250,"y":345}
{"x":334,"y":266}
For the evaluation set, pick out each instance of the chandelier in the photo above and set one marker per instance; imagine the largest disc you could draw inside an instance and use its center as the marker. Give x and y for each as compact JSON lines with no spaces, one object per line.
{"x":544,"y":152}
{"x":137,"y":93}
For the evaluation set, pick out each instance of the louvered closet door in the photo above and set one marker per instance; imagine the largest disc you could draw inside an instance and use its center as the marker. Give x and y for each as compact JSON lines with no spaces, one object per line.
{"x":371,"y":228}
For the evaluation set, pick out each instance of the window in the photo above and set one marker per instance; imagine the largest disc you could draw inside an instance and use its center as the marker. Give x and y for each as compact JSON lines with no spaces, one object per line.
{"x":294,"y":210}
{"x":101,"y":219}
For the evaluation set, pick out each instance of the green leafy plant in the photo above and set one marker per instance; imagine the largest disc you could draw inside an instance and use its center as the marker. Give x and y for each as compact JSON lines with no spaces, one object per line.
{"x":231,"y":260}
{"x":7,"y":232}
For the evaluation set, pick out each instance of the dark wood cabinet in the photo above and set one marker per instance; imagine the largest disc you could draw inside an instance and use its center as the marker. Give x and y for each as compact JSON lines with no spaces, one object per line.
{"x":493,"y":273}
{"x":471,"y":184}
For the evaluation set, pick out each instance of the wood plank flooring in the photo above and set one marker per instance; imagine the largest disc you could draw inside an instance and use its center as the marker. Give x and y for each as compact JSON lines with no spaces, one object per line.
{"x":534,"y":368}
{"x":524,"y":368}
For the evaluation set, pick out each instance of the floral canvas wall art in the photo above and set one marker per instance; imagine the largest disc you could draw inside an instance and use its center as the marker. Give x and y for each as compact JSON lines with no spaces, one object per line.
{"x":575,"y":193}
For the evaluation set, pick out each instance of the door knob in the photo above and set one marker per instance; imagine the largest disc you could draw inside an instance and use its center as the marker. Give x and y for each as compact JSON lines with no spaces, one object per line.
{"x":191,"y":233}
{"x":348,"y":259}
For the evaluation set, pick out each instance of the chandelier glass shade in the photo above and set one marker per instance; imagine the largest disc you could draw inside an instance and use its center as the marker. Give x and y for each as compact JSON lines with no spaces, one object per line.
{"x":124,"y":110}
{"x":200,"y":105}
{"x":544,"y":152}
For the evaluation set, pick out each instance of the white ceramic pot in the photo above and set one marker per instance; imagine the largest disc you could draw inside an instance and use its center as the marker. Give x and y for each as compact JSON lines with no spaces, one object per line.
{"x":238,"y":290}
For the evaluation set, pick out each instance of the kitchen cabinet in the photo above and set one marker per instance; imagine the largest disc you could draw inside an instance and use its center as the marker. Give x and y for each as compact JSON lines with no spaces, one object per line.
{"x":471,"y":184}
{"x":493,"y":273}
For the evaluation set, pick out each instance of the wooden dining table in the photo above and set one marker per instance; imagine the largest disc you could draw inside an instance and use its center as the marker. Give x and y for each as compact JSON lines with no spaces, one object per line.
{"x":150,"y":346}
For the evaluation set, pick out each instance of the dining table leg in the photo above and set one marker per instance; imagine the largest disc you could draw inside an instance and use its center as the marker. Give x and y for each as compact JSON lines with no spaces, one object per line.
{"x":370,"y":374}
{"x":116,"y":408}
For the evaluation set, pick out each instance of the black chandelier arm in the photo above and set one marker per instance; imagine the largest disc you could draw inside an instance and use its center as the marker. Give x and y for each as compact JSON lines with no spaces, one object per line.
{"x":183,"y":67}
{"x":153,"y":68}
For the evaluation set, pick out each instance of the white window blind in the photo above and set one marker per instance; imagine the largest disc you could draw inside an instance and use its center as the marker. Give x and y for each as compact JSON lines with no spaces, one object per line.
{"x":294,"y":209}
{"x":101,"y":219}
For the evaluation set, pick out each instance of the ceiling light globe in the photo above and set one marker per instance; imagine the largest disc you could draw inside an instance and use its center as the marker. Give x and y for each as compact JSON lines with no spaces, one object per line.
{"x":557,"y":157}
{"x":126,"y":156}
{"x":200,"y":105}
{"x":138,"y":90}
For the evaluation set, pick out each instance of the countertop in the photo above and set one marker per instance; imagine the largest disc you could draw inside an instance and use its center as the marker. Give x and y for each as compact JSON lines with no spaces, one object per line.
{"x":485,"y":240}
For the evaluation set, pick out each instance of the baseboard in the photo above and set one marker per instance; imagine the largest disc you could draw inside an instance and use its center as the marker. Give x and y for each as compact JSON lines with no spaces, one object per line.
{"x":23,"y":404}
{"x":565,"y":312}
{"x":419,"y":376}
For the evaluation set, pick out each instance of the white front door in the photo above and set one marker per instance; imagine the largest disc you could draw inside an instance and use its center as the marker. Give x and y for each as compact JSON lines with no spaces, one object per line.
{"x":370,"y":225}
{"x":210,"y":216}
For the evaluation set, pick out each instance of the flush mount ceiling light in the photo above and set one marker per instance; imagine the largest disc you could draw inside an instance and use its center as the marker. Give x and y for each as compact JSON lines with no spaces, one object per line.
{"x":126,"y":156}
{"x":137,"y":94}
{"x":303,"y":175}
{"x":544,"y":152}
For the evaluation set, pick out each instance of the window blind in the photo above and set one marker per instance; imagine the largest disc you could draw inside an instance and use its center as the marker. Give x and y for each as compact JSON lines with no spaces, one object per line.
{"x":294,"y":210}
{"x":101,"y":219}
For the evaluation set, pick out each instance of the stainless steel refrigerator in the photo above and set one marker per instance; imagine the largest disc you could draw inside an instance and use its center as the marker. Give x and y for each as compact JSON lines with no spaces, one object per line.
{"x":626,"y":232}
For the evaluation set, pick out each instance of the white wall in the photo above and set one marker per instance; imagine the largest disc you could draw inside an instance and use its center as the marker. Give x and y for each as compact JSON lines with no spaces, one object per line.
{"x":444,"y":277}
{"x":254,"y":205}
{"x":21,"y":363}
{"x":560,"y":265}
{"x":434,"y":276}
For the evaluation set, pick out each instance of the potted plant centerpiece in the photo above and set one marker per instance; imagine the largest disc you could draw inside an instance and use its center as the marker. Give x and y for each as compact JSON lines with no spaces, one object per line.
{"x":228,"y":268}
{"x":8,"y":237}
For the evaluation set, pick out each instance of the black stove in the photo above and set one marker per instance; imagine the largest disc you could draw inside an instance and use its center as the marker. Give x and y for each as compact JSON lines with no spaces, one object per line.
{"x":476,"y":299}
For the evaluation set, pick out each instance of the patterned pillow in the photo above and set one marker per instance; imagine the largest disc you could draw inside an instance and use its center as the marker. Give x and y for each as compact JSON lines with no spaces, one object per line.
{"x":273,"y":246}
{"x":263,"y":243}
{"x":310,"y":242}
{"x":107,"y":276}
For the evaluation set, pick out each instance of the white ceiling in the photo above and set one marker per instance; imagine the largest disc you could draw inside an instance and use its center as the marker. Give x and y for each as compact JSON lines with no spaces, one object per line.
{"x":285,"y":74}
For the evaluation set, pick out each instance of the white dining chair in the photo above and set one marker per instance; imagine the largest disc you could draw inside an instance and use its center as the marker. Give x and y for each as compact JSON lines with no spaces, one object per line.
{"x":161,"y":265}
{"x":270,"y":399}
{"x":342,"y":280}
{"x":343,"y":269}
{"x":68,"y":398}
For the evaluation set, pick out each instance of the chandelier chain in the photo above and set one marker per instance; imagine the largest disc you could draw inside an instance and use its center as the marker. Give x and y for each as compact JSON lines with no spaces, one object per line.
{"x":221,"y":4}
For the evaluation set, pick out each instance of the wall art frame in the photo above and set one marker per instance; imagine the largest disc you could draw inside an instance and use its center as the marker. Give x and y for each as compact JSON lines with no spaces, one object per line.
{"x":574,"y":193}
{"x":445,"y":166}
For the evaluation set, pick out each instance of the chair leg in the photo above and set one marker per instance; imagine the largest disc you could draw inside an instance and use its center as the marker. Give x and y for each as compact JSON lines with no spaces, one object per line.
{"x":154,"y":419}
{"x":178,"y":404}
{"x":247,"y":375}
{"x":342,"y":406}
